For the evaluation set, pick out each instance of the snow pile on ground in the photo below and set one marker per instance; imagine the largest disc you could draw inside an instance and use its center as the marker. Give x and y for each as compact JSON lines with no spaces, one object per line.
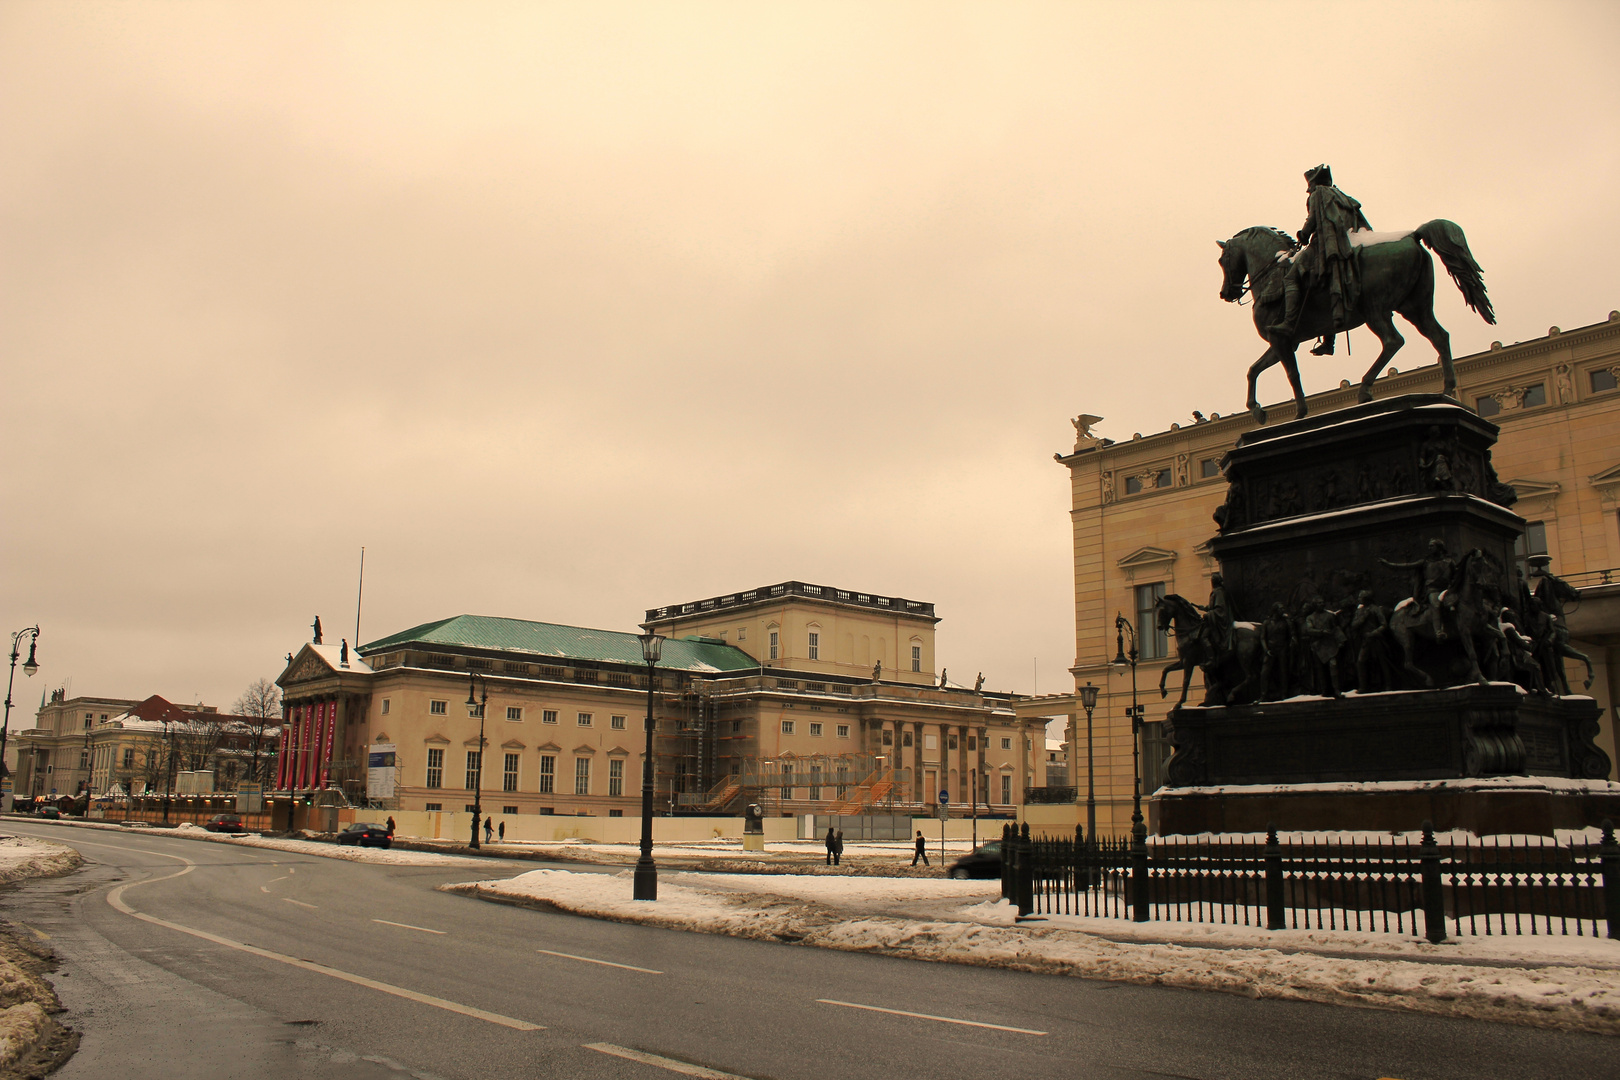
{"x":25,"y":857}
{"x":22,"y":1027}
{"x":1574,"y":984}
{"x":353,"y":853}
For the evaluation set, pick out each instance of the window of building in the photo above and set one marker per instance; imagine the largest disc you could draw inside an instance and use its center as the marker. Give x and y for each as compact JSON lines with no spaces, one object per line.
{"x":973,"y":742}
{"x":548,"y":716}
{"x":385,"y":704}
{"x":736,"y":726}
{"x":615,"y":813}
{"x":815,"y":731}
{"x":1487,"y":406}
{"x":616,"y":777}
{"x":888,"y":737}
{"x":433,"y":806}
{"x":815,"y":782}
{"x":514,"y":712}
{"x":582,"y":776}
{"x":509,"y":774}
{"x":905,"y":738}
{"x":776,"y":640}
{"x":843,"y":731}
{"x":953,"y":742}
{"x":618,"y":723}
{"x":1209,"y":467}
{"x":435,"y":767}
{"x":509,"y":809}
{"x":470,"y":808}
{"x":84,"y":759}
{"x":742,"y":633}
{"x":1604,"y":379}
{"x":916,"y":658}
{"x":1162,"y":479}
{"x":1153,"y":643}
{"x":787,"y":727}
{"x":1535,"y":395}
{"x":439,"y":708}
{"x":1533,"y":541}
{"x":1006,"y":787}
{"x":584,"y":719}
{"x":815,"y":646}
{"x":1006,"y":744}
{"x":475,"y":766}
{"x":129,"y":757}
{"x":548,"y":773}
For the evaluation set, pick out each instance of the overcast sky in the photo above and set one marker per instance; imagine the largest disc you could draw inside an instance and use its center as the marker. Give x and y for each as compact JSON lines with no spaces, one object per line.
{"x":566,"y":311}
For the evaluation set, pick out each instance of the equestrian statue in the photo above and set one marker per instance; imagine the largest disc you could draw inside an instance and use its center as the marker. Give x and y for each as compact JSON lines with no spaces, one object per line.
{"x":1230,"y":654}
{"x":1336,"y":274}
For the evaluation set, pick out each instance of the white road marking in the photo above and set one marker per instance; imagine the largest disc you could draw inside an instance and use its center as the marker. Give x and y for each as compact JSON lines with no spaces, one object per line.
{"x":408,"y":926}
{"x":671,"y":1064}
{"x":266,"y":887}
{"x":929,"y":1016}
{"x":604,"y":963}
{"x":115,"y":897}
{"x":300,"y":903}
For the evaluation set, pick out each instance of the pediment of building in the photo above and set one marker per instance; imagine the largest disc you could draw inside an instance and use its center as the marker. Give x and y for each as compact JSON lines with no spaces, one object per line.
{"x":436,"y":739}
{"x":1538,"y":495}
{"x":1607,"y":482}
{"x":513,"y":744}
{"x":548,"y":748}
{"x":583,"y":749}
{"x":618,"y":751}
{"x":1146,"y":556}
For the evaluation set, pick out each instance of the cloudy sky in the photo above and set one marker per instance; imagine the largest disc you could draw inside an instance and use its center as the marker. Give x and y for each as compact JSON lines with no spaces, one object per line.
{"x":565,"y":311}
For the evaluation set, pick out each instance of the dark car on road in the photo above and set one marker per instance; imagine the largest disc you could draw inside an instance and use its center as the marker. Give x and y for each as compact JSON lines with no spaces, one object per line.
{"x":48,"y":812}
{"x":366,"y":835}
{"x":983,"y":861}
{"x":225,"y":823}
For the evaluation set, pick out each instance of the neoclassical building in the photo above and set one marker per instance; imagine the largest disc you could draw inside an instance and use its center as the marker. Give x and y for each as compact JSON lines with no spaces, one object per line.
{"x":1141,"y":510}
{"x":805,"y":698}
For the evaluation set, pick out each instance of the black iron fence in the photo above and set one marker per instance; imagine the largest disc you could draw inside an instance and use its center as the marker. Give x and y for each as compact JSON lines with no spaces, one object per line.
{"x":1519,"y":886}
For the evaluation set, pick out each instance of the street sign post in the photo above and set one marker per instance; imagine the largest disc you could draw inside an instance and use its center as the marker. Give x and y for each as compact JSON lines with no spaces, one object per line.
{"x":944,"y":813}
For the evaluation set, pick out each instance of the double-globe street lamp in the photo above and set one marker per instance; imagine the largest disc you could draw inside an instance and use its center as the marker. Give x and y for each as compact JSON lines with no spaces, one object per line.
{"x":28,"y":669}
{"x":646,"y":878}
{"x":476,"y":706}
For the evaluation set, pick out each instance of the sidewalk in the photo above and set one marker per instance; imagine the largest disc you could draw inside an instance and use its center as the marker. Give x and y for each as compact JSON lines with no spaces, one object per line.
{"x":1571,"y":983}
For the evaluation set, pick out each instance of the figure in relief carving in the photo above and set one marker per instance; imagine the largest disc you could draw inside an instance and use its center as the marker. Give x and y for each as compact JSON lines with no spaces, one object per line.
{"x":1552,"y":593}
{"x":1564,"y":384}
{"x":1369,"y":629}
{"x":1434,"y":458}
{"x":1277,"y":632}
{"x":1217,"y":625}
{"x":1436,"y":573}
{"x":1323,"y":638}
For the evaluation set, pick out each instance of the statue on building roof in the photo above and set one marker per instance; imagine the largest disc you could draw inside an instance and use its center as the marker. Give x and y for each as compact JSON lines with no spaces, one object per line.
{"x":317,"y":629}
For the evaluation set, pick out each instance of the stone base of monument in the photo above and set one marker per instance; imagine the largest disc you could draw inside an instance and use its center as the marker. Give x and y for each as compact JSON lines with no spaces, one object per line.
{"x":1517,"y":805}
{"x":1328,"y":764}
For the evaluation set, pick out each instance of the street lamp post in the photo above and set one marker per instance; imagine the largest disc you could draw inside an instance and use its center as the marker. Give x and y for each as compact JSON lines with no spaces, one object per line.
{"x":646,"y":877}
{"x":476,"y":706}
{"x":1088,"y":698}
{"x":28,"y":669}
{"x":1124,"y":658}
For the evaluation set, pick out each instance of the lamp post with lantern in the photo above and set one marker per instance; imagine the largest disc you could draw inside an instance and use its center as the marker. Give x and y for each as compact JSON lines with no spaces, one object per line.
{"x":1123,"y":659}
{"x":1088,"y":698}
{"x":646,"y":876}
{"x":476,"y":706}
{"x":29,"y":668}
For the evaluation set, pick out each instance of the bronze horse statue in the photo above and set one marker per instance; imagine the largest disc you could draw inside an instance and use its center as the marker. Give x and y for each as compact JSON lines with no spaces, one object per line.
{"x":1226,"y":679}
{"x":1397,"y":276}
{"x":1469,"y":614}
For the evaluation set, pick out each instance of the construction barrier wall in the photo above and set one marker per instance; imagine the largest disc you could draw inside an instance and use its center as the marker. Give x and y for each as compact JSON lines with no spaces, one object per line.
{"x":547,"y":828}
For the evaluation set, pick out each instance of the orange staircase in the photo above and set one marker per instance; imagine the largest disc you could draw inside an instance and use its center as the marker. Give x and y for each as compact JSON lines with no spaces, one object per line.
{"x":867,"y":793}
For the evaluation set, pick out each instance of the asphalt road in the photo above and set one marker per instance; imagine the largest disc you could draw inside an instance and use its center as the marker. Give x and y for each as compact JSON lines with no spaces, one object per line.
{"x":183,"y":959}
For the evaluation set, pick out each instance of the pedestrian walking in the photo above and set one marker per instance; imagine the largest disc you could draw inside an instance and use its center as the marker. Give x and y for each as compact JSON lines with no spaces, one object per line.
{"x":922,"y":850}
{"x":489,"y":830}
{"x":838,"y":847}
{"x":501,"y":832}
{"x":831,"y":839}
{"x":390,"y":824}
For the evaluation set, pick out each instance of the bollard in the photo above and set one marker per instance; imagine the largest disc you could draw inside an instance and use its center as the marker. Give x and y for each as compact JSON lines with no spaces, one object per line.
{"x":1275,"y":915}
{"x":1006,"y":861}
{"x":1025,"y":883}
{"x":1609,"y":853}
{"x":1139,"y":874}
{"x":1434,"y":906}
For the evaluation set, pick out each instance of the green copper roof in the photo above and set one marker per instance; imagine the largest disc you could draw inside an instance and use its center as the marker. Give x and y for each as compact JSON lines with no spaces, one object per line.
{"x":549,"y":640}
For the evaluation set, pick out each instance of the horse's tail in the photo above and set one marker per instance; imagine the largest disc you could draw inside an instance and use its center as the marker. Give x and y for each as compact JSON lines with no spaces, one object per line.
{"x":1445,"y":239}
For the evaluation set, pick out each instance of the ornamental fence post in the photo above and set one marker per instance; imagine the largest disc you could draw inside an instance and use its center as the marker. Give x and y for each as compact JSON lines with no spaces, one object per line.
{"x":1275,"y":916}
{"x":1609,"y":853}
{"x":1025,"y":883}
{"x":1006,"y":859}
{"x":1434,"y":906}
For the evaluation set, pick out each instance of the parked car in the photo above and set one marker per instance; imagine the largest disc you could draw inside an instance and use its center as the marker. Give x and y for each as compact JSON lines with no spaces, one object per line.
{"x":48,"y":812}
{"x":228,"y":823}
{"x":366,"y":835}
{"x":983,"y":861}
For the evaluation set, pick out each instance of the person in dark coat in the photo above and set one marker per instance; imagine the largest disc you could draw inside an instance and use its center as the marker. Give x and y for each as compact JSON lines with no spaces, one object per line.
{"x":390,"y":824}
{"x":489,"y":830}
{"x":922,"y":850}
{"x":501,"y":831}
{"x":838,"y":847}
{"x":831,"y":840}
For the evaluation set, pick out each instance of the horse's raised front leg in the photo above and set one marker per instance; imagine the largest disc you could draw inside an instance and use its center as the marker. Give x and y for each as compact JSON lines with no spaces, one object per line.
{"x":1267,"y":358}
{"x":1291,"y":366}
{"x":1422,"y":317}
{"x":1186,"y":681}
{"x":1382,"y":324}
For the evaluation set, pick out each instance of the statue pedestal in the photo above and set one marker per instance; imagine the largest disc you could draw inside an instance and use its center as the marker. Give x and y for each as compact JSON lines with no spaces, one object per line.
{"x":1519,"y":806}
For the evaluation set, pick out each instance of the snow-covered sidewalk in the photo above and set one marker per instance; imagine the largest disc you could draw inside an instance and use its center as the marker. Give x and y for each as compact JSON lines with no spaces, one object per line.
{"x":1571,"y":983}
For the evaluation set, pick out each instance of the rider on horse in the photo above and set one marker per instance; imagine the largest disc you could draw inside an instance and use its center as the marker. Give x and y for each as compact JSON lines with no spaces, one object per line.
{"x":1217,"y":625}
{"x":1327,"y":256}
{"x":1439,"y":571}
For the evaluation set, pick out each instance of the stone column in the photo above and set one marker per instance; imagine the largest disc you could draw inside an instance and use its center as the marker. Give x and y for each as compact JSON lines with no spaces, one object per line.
{"x":984,"y":783}
{"x":917,"y":792}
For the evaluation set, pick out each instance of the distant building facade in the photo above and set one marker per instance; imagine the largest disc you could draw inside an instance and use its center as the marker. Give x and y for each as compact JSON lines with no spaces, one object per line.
{"x":805,"y":698}
{"x":1141,"y":517}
